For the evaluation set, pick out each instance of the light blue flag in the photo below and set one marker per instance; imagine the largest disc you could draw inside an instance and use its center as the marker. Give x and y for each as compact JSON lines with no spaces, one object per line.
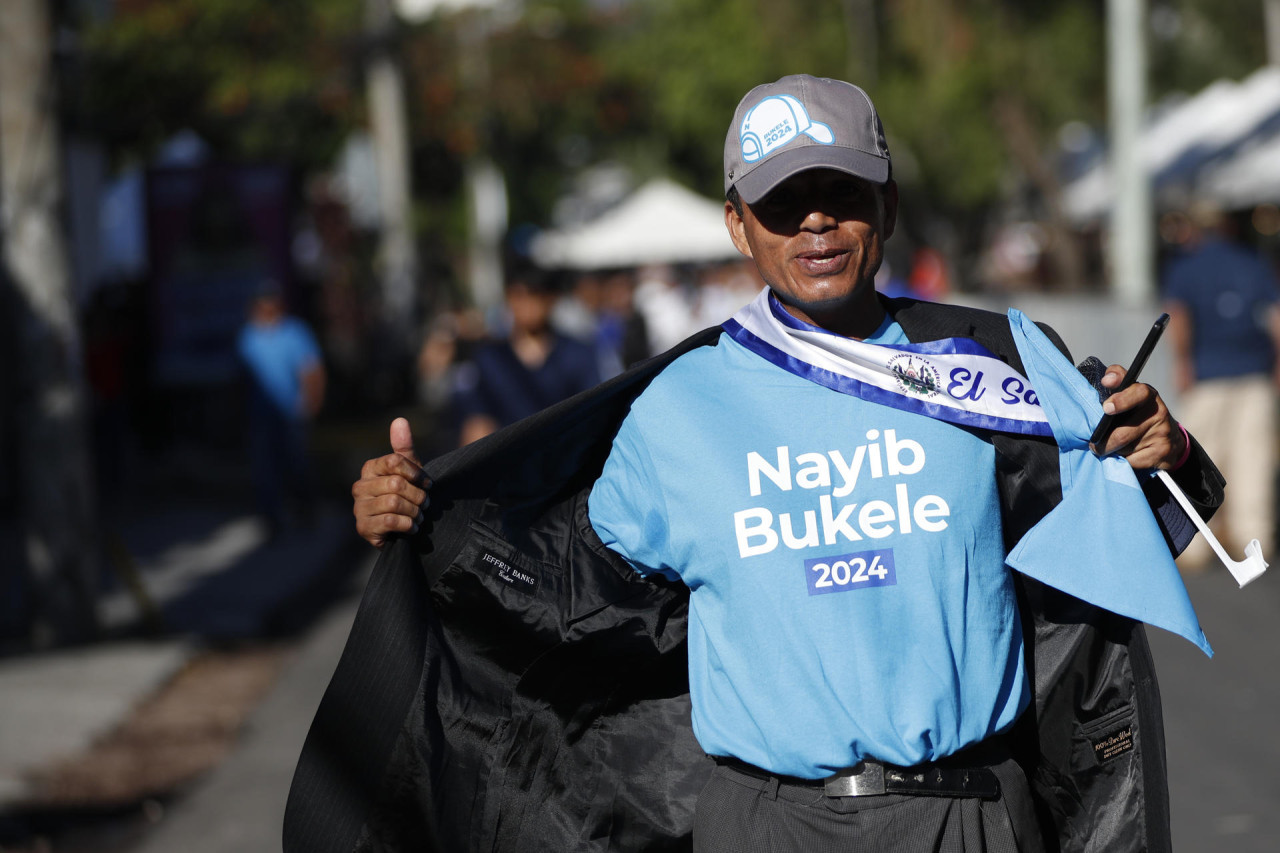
{"x":1102,"y":543}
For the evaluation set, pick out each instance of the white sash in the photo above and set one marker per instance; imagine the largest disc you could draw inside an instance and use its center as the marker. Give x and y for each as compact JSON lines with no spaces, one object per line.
{"x":955,"y":380}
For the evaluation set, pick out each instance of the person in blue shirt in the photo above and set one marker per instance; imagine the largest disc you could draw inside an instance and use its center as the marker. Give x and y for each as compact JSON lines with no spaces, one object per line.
{"x":1224,"y":323}
{"x":856,"y":654}
{"x":286,"y":383}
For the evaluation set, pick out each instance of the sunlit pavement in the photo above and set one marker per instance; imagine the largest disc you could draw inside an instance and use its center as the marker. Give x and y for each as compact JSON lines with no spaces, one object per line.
{"x":240,"y":805}
{"x":208,"y":577}
{"x":53,"y":705}
{"x":1220,"y":717}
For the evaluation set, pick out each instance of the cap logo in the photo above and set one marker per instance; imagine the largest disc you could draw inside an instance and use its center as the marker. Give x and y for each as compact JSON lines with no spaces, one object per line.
{"x":775,"y":122}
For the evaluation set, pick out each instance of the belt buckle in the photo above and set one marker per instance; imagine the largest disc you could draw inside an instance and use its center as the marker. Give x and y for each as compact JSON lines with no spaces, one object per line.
{"x":864,"y":779}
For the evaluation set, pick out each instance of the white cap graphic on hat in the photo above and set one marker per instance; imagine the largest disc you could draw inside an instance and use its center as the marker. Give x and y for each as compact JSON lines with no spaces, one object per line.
{"x":776,"y":121}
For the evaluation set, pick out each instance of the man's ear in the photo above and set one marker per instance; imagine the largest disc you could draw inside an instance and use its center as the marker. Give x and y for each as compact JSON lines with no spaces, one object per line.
{"x":737,"y":230}
{"x":890,"y":196}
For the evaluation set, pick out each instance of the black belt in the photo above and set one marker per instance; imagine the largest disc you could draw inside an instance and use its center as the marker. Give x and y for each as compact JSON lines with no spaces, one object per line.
{"x":870,"y":777}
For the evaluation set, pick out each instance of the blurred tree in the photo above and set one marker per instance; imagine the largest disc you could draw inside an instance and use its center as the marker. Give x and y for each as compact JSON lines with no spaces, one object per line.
{"x":684,"y":64}
{"x":49,"y":412}
{"x":1194,"y":42}
{"x":256,"y":80}
{"x":973,"y":92}
{"x":953,"y":67}
{"x":970,"y":90}
{"x":528,"y":91}
{"x":976,"y":91}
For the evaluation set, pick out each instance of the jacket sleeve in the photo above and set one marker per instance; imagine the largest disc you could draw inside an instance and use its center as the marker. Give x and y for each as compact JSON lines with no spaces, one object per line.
{"x":1202,"y":482}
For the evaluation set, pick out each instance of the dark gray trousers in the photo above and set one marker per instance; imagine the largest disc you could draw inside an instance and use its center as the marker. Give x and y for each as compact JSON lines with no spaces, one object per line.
{"x":739,"y":813}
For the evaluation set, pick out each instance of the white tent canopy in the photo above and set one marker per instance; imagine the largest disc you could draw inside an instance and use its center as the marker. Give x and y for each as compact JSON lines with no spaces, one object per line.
{"x":661,"y":223}
{"x":1184,"y":148}
{"x":1251,"y":177}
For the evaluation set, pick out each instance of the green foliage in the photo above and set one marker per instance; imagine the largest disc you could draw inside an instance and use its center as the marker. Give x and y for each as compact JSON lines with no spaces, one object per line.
{"x":688,"y":62}
{"x":570,"y":83}
{"x":526,"y":93}
{"x":1195,"y":42}
{"x":257,"y":80}
{"x":950,"y":65}
{"x":943,"y":65}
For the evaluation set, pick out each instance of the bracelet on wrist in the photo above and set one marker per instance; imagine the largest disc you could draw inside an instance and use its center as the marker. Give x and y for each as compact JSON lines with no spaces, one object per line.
{"x":1186,"y":449}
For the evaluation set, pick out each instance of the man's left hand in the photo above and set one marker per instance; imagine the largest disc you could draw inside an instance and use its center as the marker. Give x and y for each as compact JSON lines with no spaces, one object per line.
{"x":1145,"y":432}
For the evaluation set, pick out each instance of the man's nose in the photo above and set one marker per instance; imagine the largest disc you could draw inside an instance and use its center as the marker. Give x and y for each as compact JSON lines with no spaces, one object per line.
{"x":818,"y":220}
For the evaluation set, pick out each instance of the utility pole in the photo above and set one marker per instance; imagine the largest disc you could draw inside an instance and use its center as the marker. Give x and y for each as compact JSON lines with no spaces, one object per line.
{"x":397,"y":252}
{"x":55,"y":470}
{"x":1132,"y":277}
{"x":1271,"y":21}
{"x":486,"y":186}
{"x":861,"y":40}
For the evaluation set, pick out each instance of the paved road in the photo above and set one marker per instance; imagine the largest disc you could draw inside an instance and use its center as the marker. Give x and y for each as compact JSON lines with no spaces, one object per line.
{"x":1221,"y":718}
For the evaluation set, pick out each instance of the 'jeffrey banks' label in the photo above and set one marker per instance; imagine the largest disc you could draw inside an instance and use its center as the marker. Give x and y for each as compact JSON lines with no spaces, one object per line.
{"x":510,"y":575}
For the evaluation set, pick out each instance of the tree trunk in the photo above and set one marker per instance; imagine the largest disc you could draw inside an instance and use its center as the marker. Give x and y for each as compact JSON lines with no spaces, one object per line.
{"x":397,"y":252}
{"x":1065,"y":254}
{"x":55,"y":485}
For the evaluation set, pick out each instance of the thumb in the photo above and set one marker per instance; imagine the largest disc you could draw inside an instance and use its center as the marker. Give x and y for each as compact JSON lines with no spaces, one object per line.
{"x":402,"y":440}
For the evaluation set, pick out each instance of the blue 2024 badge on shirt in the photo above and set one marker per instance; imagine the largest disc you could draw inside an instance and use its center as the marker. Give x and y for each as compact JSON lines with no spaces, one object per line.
{"x":850,"y":571}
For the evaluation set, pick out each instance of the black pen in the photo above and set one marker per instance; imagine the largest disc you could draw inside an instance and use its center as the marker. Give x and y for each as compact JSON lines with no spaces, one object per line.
{"x":1103,"y":429}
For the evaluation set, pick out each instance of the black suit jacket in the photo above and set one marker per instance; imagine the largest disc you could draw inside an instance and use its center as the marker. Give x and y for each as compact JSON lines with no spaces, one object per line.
{"x":511,"y":685}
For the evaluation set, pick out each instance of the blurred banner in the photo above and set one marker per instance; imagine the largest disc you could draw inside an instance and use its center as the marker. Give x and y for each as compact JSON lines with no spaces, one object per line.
{"x":217,"y":233}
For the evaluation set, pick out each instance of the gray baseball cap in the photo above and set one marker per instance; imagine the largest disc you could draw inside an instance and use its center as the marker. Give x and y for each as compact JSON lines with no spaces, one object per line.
{"x":799,"y":123}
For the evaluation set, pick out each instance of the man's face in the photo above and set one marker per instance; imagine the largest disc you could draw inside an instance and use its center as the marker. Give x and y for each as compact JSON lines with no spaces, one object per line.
{"x":530,"y":308}
{"x":818,"y":239}
{"x":267,"y":309}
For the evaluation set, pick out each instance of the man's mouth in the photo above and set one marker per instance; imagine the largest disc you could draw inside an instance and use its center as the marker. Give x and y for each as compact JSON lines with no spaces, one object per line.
{"x":822,"y":261}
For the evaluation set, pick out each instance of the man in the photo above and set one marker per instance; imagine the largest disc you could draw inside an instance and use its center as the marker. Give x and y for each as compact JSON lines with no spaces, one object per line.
{"x":809,"y":564}
{"x":528,"y":370}
{"x":1224,"y":311}
{"x":286,"y":378}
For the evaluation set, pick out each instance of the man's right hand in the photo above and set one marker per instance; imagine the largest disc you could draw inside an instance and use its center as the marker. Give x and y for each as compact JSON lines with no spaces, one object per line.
{"x":392,"y":490}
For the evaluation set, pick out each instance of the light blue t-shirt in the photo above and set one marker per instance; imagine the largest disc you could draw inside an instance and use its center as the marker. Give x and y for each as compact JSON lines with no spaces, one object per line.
{"x":849,"y":596}
{"x":276,"y":356}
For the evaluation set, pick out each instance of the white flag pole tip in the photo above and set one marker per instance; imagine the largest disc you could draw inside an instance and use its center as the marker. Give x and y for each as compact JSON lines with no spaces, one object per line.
{"x":1244,"y":571}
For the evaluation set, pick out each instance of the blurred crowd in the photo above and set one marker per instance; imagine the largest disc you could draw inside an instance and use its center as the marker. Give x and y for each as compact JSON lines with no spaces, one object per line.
{"x":238,"y":400}
{"x":559,"y":333}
